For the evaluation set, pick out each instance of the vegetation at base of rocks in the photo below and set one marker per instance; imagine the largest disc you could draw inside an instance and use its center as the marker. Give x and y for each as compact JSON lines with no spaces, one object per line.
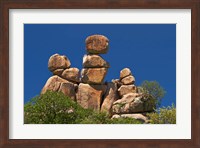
{"x":152,"y":89}
{"x":164,"y":115}
{"x":56,"y":108}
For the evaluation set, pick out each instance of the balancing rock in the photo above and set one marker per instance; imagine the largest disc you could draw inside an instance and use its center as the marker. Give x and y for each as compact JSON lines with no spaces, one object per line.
{"x":57,"y":61}
{"x":97,"y":44}
{"x":71,"y":74}
{"x":94,"y":61}
{"x":93,"y":75}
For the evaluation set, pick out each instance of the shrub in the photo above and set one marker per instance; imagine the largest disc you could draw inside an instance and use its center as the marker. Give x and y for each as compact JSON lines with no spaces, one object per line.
{"x":56,"y":108}
{"x":164,"y":115}
{"x":123,"y":120}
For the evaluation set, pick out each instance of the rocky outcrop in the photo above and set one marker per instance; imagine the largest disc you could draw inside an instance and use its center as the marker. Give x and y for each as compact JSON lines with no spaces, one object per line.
{"x":132,"y":103}
{"x":120,"y":97}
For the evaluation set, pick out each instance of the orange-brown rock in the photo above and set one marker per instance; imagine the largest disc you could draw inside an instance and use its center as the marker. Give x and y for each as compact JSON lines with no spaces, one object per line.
{"x":55,"y":83}
{"x":97,"y":44}
{"x":58,"y":72}
{"x":110,"y":96}
{"x":133,"y":103}
{"x":94,"y":61}
{"x":125,"y":89}
{"x":125,"y":72}
{"x":71,"y":74}
{"x":57,"y":61}
{"x":93,"y":75}
{"x":90,"y":96}
{"x":128,"y":80}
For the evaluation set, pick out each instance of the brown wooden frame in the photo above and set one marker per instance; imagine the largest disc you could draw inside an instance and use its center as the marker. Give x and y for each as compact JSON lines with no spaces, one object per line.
{"x":5,"y":5}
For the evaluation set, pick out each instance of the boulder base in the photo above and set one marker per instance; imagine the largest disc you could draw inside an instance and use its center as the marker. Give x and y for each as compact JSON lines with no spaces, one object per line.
{"x":55,"y":83}
{"x":133,"y":103}
{"x":90,"y":96}
{"x":110,"y":96}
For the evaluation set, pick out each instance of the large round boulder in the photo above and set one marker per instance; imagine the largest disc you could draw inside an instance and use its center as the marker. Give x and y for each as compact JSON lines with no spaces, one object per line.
{"x":57,"y":61}
{"x":97,"y":44}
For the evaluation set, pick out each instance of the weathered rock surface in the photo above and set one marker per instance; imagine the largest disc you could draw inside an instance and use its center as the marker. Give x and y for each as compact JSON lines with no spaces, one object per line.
{"x":94,"y":61}
{"x":140,"y":117}
{"x":125,"y":89}
{"x":90,"y":96}
{"x":128,"y":80}
{"x":97,"y":44}
{"x":125,"y":72}
{"x":110,"y":96}
{"x":55,"y":83}
{"x":132,"y":103}
{"x":117,"y":81}
{"x":71,"y":74}
{"x":93,"y":75}
{"x":68,"y":89}
{"x":57,"y":61}
{"x":58,"y":72}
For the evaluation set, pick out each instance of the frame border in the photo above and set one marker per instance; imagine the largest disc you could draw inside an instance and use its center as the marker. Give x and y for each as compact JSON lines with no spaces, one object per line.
{"x":5,"y":5}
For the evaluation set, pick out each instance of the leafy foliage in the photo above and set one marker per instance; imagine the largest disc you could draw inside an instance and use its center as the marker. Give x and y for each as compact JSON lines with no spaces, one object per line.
{"x":164,"y":115}
{"x":56,"y":108}
{"x":154,"y":90}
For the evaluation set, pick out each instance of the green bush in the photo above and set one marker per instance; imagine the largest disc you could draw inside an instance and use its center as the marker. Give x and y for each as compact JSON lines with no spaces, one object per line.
{"x":164,"y":115}
{"x":153,"y":90}
{"x":56,"y":108}
{"x":126,"y":120}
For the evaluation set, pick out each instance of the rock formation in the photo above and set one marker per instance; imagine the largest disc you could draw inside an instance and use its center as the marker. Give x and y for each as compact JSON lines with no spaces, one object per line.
{"x":119,"y":98}
{"x":92,"y":87}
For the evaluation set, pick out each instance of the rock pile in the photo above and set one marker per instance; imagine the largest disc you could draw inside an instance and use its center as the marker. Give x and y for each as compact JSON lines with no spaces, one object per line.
{"x":131,"y":102}
{"x":65,"y":79}
{"x":92,"y":90}
{"x":119,"y":98}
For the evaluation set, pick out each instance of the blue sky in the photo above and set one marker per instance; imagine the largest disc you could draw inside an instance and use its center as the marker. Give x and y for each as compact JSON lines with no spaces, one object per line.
{"x":149,"y":50}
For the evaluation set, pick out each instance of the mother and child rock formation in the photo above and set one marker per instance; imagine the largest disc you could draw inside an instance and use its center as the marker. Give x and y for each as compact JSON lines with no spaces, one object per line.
{"x":119,"y":98}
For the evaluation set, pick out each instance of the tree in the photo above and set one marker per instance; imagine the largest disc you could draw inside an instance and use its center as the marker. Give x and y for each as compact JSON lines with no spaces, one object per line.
{"x":164,"y":115}
{"x":154,"y":90}
{"x":51,"y":108}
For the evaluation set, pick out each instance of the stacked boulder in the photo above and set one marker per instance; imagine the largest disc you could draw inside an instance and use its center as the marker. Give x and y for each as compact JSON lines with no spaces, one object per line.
{"x":65,"y":79}
{"x":93,"y":90}
{"x":119,"y":98}
{"x":131,"y":103}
